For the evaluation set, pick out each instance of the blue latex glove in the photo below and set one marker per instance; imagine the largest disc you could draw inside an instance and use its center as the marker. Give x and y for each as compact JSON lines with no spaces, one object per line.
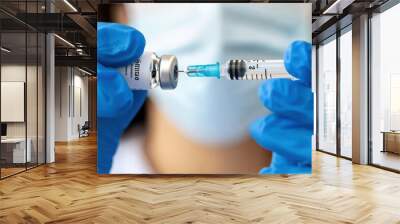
{"x":288,"y":129}
{"x":117,"y":45}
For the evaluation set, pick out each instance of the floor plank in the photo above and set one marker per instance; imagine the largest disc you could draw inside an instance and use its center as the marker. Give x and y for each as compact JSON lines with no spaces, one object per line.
{"x":70,"y":191}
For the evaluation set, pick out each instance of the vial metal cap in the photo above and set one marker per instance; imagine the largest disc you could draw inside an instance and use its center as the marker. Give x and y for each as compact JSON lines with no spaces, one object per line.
{"x":168,"y":72}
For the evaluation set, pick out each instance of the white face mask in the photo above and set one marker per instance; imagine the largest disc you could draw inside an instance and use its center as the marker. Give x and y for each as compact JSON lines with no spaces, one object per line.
{"x":212,"y":111}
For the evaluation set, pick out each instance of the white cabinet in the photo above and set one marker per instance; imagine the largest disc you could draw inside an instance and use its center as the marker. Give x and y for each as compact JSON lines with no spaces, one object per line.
{"x":18,"y":145}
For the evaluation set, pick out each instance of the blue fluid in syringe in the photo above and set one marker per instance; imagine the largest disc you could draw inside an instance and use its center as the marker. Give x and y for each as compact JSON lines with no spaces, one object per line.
{"x":209,"y":70}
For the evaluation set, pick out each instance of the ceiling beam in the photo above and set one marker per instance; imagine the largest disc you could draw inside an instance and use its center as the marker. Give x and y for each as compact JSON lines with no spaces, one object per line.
{"x":84,"y":24}
{"x":77,"y":61}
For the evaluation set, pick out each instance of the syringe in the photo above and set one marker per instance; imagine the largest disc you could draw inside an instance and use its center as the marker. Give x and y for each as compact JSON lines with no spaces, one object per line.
{"x":241,"y":70}
{"x":150,"y":71}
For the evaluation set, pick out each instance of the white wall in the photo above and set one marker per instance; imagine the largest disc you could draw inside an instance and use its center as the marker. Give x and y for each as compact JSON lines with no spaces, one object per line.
{"x":12,"y":73}
{"x":61,"y":103}
{"x":12,"y":99}
{"x":71,"y":87}
{"x":33,"y":126}
{"x":80,"y":89}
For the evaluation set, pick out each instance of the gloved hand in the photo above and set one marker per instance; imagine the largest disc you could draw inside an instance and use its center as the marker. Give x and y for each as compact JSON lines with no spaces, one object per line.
{"x":288,"y":129}
{"x":117,"y":45}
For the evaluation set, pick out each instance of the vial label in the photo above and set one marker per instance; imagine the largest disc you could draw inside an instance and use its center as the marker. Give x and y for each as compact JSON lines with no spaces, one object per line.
{"x":132,"y":71}
{"x":138,"y":74}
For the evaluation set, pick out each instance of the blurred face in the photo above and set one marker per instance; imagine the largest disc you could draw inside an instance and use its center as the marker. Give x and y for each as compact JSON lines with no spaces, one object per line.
{"x":212,"y":111}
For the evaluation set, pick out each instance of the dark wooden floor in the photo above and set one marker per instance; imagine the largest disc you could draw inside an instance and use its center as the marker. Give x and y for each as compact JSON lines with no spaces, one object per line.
{"x":70,"y":191}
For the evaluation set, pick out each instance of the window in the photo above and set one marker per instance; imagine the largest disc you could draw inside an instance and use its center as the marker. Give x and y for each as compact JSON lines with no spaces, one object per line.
{"x":385,"y":89}
{"x":22,"y":77}
{"x":346,"y":93}
{"x":327,"y":97}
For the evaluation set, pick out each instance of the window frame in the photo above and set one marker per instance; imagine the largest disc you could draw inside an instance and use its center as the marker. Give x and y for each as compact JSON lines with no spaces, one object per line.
{"x":334,"y":37}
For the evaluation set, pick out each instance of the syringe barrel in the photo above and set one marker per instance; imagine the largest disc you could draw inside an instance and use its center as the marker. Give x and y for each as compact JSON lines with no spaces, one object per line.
{"x":254,"y":70}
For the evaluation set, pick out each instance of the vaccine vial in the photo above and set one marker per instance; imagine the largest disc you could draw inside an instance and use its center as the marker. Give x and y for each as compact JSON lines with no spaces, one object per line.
{"x":150,"y":71}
